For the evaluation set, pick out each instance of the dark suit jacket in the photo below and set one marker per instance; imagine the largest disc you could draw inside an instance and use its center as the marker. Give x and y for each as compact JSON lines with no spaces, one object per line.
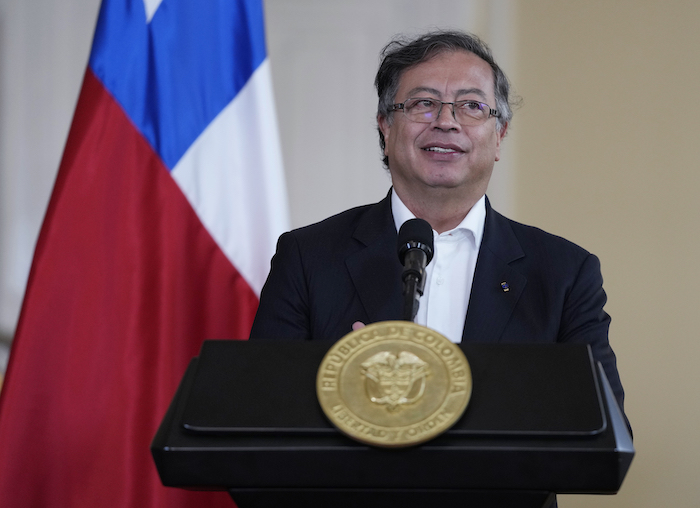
{"x":326,"y":276}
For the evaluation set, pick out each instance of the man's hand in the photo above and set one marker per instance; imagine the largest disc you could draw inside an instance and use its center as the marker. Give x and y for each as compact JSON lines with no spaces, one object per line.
{"x":357,"y":325}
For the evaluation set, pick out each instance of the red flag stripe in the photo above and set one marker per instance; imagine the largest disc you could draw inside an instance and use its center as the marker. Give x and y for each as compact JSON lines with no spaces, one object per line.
{"x":124,"y":286}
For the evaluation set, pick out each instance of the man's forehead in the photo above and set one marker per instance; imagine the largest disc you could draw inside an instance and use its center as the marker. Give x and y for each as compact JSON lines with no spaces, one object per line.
{"x":471,"y":68}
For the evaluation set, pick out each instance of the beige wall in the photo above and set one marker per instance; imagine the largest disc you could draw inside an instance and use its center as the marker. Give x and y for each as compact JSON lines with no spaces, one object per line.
{"x":608,"y":156}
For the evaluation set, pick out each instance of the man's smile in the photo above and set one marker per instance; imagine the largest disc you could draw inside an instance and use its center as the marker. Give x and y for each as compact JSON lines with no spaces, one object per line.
{"x":439,"y":149}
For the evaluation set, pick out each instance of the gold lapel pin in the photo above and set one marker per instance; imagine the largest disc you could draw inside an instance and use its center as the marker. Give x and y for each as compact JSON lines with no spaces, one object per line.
{"x":505,"y":287}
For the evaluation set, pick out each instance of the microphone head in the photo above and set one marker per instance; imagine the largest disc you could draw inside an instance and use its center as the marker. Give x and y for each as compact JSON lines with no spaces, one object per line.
{"x":415,"y":234}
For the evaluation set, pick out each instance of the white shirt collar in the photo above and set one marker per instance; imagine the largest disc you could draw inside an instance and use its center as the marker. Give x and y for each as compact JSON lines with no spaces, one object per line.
{"x":474,"y":220}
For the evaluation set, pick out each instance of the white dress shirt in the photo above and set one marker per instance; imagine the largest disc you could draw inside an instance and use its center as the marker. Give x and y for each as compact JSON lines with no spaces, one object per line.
{"x":449,"y":276}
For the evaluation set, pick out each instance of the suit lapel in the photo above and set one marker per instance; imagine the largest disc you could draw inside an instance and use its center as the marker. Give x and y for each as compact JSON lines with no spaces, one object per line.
{"x":376,"y":273}
{"x":374,"y":268}
{"x":497,"y":286}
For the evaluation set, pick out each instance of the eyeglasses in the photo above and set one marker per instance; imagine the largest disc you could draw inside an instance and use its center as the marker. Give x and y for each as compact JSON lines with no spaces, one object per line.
{"x":425,"y":110}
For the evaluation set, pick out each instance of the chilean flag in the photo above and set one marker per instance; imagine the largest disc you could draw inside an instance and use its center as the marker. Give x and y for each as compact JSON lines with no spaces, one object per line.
{"x":164,"y":216}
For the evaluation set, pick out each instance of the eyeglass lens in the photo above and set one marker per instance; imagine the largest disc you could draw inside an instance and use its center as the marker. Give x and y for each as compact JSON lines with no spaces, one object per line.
{"x":428,"y":110}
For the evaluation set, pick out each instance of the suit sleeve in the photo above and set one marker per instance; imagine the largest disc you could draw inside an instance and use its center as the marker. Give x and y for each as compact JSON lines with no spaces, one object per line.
{"x":584,"y":320}
{"x":283,"y":312}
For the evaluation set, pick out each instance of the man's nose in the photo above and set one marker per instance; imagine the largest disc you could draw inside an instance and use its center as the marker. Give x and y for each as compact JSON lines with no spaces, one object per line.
{"x":446,"y":116}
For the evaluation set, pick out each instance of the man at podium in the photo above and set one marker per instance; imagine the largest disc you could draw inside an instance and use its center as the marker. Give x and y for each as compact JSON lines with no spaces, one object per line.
{"x":444,"y":109}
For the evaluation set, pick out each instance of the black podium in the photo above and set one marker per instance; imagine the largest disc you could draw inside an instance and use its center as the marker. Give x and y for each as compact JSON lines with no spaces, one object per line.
{"x":542,"y":420}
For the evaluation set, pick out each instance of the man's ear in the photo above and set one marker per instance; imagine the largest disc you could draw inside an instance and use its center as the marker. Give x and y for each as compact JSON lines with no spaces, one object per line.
{"x":384,"y":126}
{"x":500,"y":134}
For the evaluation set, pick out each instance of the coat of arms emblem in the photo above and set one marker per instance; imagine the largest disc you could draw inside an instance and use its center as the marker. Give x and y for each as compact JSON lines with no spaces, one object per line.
{"x":393,"y":384}
{"x":395,"y":381}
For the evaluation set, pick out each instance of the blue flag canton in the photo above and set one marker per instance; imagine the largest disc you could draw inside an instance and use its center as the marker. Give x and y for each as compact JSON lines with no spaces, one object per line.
{"x":174,"y":75}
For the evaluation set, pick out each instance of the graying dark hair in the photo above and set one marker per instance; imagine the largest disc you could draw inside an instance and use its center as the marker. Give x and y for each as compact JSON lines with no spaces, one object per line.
{"x":403,"y":53}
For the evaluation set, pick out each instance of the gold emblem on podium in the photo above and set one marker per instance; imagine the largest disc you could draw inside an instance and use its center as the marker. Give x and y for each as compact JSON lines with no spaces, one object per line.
{"x":394,"y":384}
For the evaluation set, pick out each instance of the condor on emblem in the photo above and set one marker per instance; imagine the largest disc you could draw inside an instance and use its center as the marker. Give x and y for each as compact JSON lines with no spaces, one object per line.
{"x":395,"y":381}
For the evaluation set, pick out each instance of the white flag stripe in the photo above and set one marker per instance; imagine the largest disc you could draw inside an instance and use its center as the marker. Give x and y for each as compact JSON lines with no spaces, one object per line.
{"x":232,"y":175}
{"x":151,"y":7}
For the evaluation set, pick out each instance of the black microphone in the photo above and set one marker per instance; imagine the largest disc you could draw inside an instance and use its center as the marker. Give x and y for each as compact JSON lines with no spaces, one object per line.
{"x":415,"y":252}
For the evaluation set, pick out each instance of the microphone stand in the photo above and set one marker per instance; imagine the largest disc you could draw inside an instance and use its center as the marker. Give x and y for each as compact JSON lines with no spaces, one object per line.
{"x":413,"y":283}
{"x":415,"y":249}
